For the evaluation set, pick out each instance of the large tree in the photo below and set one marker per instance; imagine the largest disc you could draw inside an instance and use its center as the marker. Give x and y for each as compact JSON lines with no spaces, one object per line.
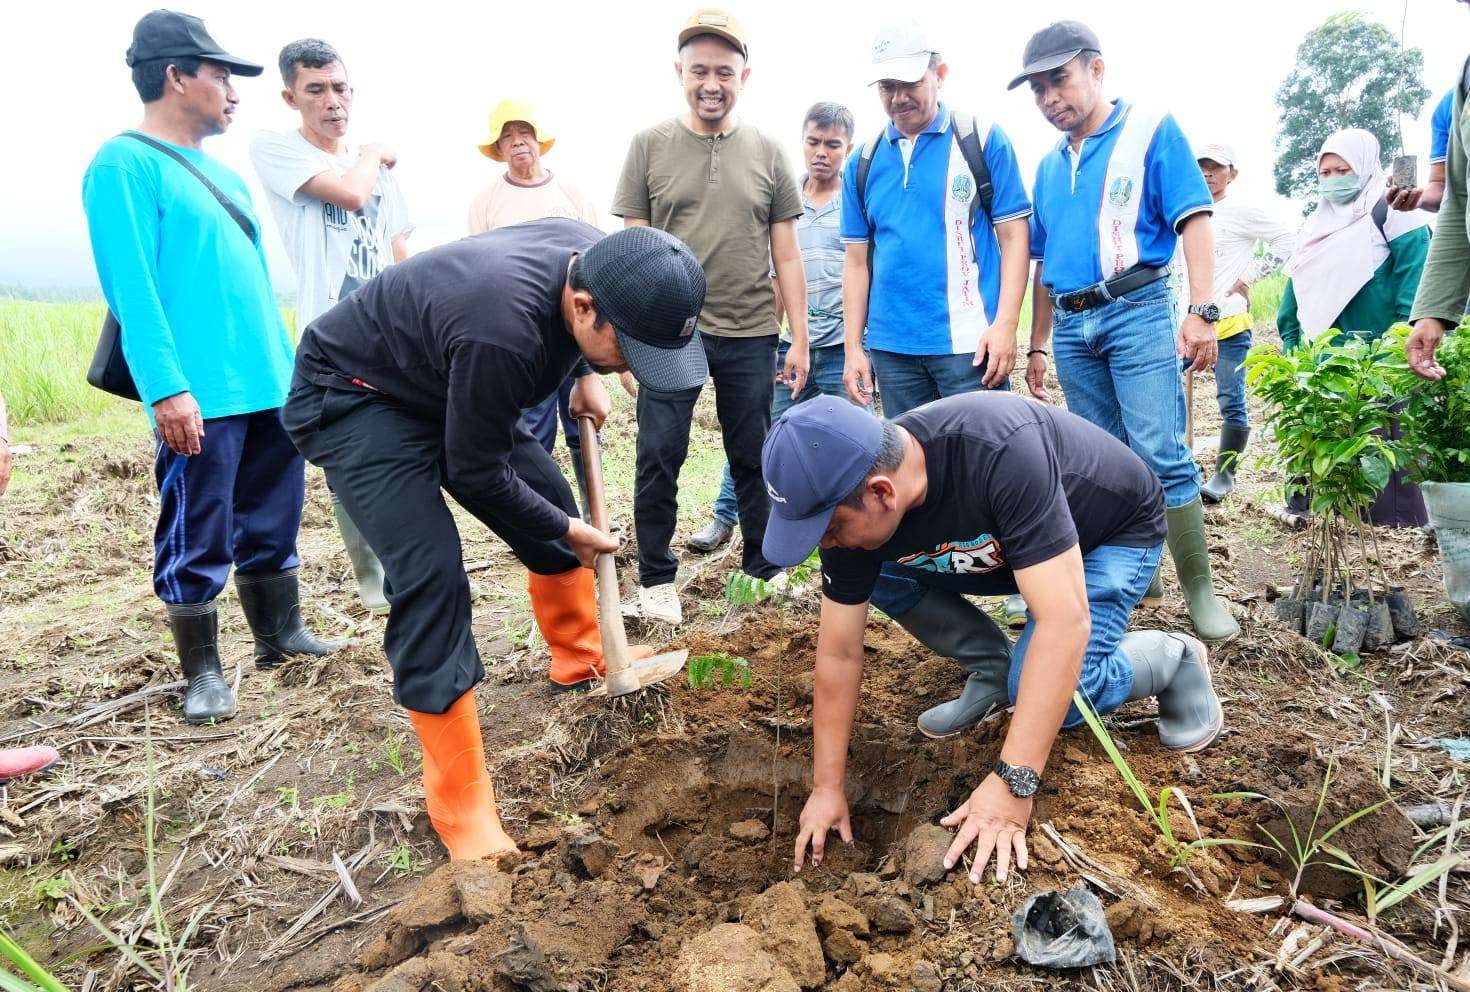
{"x":1350,"y":72}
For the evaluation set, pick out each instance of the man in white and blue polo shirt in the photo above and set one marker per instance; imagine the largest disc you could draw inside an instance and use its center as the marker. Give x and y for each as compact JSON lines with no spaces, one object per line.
{"x":1112,"y":199}
{"x":936,"y":255}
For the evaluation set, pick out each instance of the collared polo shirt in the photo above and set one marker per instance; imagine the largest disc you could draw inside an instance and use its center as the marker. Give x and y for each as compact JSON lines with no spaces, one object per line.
{"x":818,"y":230}
{"x":936,"y":278}
{"x":1439,"y":129}
{"x":1117,"y":202}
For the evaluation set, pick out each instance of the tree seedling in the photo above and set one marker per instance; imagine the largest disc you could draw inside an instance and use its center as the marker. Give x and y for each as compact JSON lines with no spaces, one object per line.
{"x":711,"y":669}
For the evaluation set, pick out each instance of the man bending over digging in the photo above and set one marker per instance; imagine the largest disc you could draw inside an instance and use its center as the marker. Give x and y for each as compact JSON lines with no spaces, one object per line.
{"x":983,"y":494}
{"x":416,"y":384}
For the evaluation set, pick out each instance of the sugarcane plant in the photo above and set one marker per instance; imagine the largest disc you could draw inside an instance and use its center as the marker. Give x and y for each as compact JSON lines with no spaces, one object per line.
{"x":1330,"y":404}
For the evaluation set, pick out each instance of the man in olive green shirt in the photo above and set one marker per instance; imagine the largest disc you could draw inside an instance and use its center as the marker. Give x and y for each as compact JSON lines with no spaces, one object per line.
{"x":1444,"y":286}
{"x":726,"y":190}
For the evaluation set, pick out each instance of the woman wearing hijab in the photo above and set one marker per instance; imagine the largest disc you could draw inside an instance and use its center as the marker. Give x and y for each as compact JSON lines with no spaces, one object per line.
{"x":1355,"y":273}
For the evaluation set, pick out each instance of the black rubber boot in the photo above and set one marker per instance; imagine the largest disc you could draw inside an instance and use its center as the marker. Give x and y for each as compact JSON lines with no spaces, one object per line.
{"x":716,"y":534}
{"x":953,"y":627}
{"x":271,"y":602}
{"x":196,"y":638}
{"x":1232,"y":446}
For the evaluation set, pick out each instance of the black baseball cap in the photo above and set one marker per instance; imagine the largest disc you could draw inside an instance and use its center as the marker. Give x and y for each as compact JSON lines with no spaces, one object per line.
{"x":816,"y":454}
{"x":650,"y":287}
{"x":1054,"y":46}
{"x":167,"y":34}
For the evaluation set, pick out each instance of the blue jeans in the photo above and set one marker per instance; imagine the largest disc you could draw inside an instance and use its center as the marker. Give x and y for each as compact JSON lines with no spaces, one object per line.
{"x":1116,"y":579}
{"x":824,"y":379}
{"x":1230,"y":378}
{"x":909,"y":381}
{"x":541,"y":419}
{"x":1119,"y":369}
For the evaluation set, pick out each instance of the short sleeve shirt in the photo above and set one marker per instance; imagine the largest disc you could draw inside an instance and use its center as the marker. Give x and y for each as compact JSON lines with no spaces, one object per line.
{"x":504,"y":203}
{"x":1439,"y":128}
{"x":1012,"y":483}
{"x":1117,"y":202}
{"x":822,"y":257}
{"x":333,"y":251}
{"x":719,"y":194}
{"x":933,"y":293}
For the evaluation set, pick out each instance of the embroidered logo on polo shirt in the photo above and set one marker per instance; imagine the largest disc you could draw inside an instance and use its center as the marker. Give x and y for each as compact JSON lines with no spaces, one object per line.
{"x":973,"y":557}
{"x":1121,"y":191}
{"x":962,"y":189}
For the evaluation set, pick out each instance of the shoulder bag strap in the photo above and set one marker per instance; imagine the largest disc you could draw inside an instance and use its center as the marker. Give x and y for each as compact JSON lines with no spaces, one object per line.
{"x":234,"y":211}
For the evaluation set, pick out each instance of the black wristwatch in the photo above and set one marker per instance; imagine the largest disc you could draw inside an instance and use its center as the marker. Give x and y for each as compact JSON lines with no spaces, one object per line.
{"x":1022,"y":781}
{"x":1207,"y":312}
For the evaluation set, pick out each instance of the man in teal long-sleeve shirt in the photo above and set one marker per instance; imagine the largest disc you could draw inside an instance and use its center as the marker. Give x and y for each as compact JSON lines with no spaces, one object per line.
{"x":208,"y":352}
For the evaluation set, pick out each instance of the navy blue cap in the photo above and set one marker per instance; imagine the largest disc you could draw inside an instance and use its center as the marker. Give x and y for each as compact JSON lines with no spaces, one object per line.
{"x":816,"y":454}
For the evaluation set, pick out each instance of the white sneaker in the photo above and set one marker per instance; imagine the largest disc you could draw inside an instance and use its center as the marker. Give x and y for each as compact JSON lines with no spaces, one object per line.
{"x":660,"y":602}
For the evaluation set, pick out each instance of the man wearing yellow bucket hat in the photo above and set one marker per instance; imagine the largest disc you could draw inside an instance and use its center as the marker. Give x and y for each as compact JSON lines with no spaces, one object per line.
{"x":527,"y":190}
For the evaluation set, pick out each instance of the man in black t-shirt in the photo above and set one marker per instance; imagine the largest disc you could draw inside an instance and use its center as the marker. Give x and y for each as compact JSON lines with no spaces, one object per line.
{"x":416,"y":383}
{"x":982,"y":494}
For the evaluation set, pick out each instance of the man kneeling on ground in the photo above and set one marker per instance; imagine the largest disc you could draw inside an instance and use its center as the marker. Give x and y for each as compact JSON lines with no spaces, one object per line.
{"x":982,"y":494}
{"x":416,"y":384}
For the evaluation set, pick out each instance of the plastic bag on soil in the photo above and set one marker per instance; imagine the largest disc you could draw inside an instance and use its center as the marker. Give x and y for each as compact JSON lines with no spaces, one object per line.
{"x":1405,"y":620}
{"x":1063,"y":930}
{"x":1379,"y":634}
{"x":1352,"y":624}
{"x":1320,"y":619}
{"x":1291,"y":612}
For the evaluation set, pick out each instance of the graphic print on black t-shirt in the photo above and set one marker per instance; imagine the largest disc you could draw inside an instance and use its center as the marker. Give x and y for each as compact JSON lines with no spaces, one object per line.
{"x":368,"y":228}
{"x":973,"y":557}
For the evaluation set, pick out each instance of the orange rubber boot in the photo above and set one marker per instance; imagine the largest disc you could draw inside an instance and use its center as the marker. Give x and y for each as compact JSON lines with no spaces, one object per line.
{"x":565,"y":607}
{"x":457,"y":789}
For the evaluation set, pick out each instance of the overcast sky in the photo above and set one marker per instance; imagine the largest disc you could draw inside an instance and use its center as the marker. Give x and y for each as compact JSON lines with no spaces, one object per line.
{"x":428,"y":72}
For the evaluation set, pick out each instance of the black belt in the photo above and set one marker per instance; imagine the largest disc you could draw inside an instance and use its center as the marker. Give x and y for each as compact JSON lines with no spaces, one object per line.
{"x":1103,"y":293}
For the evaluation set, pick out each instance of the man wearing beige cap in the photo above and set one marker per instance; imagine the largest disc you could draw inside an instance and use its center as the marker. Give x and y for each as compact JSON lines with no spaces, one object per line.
{"x":726,"y":190}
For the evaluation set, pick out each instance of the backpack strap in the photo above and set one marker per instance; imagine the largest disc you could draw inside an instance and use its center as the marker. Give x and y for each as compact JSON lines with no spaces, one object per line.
{"x":972,"y":148}
{"x":1380,"y":217}
{"x":231,"y":208}
{"x":865,"y":166}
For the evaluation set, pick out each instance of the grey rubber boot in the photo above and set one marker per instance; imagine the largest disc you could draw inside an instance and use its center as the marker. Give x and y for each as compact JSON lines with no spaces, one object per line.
{"x":1232,"y":446}
{"x":271,"y":602}
{"x":716,"y":533}
{"x":1191,"y":552}
{"x":1176,"y":669}
{"x":951,"y":626}
{"x":196,"y":637}
{"x":365,"y":565}
{"x":1015,"y":611}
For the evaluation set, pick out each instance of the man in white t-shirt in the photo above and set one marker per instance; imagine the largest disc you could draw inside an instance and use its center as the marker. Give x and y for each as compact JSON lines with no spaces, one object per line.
{"x":1250,"y":244}
{"x":341,"y":216}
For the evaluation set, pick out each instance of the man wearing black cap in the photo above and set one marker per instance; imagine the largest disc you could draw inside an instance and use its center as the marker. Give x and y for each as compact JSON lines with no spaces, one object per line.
{"x":416,"y":383}
{"x":178,"y":254}
{"x":982,"y":494}
{"x":1110,"y":203}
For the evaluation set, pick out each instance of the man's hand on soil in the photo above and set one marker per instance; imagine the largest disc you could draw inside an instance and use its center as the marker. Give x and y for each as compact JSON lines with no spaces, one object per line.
{"x":998,"y":346}
{"x":825,"y":810}
{"x":588,"y":542}
{"x":994,"y":821}
{"x":589,"y":398}
{"x":180,"y":424}
{"x":1198,"y":343}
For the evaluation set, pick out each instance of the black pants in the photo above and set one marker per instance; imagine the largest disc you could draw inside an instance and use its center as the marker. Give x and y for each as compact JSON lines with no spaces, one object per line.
{"x":741,"y":370}
{"x":387,"y":467}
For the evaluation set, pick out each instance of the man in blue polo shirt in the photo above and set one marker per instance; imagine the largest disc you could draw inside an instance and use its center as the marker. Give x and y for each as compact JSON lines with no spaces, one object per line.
{"x":936,"y":255}
{"x":1112,"y":199}
{"x":208,"y":353}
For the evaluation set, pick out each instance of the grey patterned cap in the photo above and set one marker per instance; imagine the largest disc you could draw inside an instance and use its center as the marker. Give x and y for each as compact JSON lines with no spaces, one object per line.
{"x":650,"y":287}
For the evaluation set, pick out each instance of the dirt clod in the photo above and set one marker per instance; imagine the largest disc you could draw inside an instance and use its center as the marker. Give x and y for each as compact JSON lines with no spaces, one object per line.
{"x":525,"y":964}
{"x":749,"y":831}
{"x":787,"y":930}
{"x":730,"y":958}
{"x":924,"y":977}
{"x":923,"y":854}
{"x":835,"y":914}
{"x":842,"y":947}
{"x":892,"y":915}
{"x":588,"y":854}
